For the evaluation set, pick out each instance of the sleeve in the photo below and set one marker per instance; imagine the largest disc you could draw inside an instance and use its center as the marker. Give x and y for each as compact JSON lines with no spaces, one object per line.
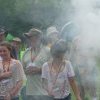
{"x":42,"y":57}
{"x":44,"y":71}
{"x":19,"y":72}
{"x":70,"y":70}
{"x":24,"y":56}
{"x":22,"y":60}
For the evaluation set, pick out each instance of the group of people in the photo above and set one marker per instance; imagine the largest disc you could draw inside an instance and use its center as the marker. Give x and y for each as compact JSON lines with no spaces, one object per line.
{"x":43,"y":73}
{"x":11,"y":71}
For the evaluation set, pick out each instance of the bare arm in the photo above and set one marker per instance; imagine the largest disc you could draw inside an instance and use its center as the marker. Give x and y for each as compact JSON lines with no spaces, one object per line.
{"x":33,"y":70}
{"x":16,"y":88}
{"x":74,"y":88}
{"x":45,"y":86}
{"x":18,"y":74}
{"x":5,"y":75}
{"x":14,"y":91}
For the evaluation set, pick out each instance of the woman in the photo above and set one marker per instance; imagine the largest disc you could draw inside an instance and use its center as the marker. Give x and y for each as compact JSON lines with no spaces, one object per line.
{"x":11,"y":74}
{"x":58,"y":74}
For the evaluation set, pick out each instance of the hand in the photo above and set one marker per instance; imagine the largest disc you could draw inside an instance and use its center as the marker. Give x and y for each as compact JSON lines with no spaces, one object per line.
{"x":7,"y":74}
{"x":50,"y":93}
{"x":79,"y":98}
{"x":28,"y":70}
{"x":32,"y":70}
{"x":8,"y":97}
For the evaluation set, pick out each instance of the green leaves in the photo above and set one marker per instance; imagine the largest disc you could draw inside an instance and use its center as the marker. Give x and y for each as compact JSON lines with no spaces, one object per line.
{"x":18,"y":16}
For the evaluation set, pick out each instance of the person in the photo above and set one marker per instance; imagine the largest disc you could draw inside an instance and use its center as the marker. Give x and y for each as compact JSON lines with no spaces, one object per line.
{"x":11,"y":73}
{"x":3,"y":37}
{"x":84,"y":63}
{"x":2,"y":34}
{"x":58,"y":74}
{"x":16,"y":42}
{"x":52,"y":35}
{"x":90,"y":72}
{"x":32,"y":61}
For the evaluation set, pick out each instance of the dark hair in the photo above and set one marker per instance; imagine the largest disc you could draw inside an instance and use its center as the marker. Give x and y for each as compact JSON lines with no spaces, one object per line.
{"x":2,"y":30}
{"x":9,"y":47}
{"x":58,"y":48}
{"x":5,"y":32}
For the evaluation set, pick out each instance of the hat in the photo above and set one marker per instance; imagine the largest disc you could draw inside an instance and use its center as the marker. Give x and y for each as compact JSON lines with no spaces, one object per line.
{"x":16,"y":39}
{"x":33,"y":32}
{"x":9,"y":37}
{"x":51,"y":30}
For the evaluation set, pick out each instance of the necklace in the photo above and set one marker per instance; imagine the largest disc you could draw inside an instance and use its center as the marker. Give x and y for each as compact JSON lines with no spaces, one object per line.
{"x":6,"y":65}
{"x":61,"y":90}
{"x":57,"y":72}
{"x":32,"y":57}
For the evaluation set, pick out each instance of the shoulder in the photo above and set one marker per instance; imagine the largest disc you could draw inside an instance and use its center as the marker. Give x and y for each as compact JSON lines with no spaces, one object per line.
{"x":43,"y":55}
{"x":45,"y":67}
{"x":68,"y":65}
{"x":27,"y":50}
{"x":45,"y":49}
{"x":67,"y":62}
{"x":45,"y":64}
{"x":14,"y":61}
{"x":0,"y":63}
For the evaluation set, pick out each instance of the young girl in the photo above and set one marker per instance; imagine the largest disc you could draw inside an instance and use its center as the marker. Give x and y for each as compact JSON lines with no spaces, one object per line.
{"x":58,"y":74}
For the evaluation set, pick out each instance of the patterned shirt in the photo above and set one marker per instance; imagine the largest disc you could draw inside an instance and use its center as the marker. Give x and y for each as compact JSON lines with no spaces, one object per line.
{"x":17,"y":74}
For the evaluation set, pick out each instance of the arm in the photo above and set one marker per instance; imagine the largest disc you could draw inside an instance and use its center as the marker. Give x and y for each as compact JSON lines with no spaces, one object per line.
{"x":33,"y":70}
{"x":5,"y":75}
{"x":74,"y":88}
{"x":16,"y":88}
{"x":18,"y":74}
{"x":36,"y":70}
{"x":45,"y":84}
{"x":46,"y":87}
{"x":44,"y":76}
{"x":71,"y":78}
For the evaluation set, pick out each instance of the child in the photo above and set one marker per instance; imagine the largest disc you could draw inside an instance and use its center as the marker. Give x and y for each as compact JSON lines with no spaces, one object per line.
{"x":58,"y":74}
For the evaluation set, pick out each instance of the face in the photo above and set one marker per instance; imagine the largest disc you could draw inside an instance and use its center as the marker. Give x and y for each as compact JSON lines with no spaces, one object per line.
{"x":35,"y":40}
{"x":4,"y":52}
{"x":16,"y":44}
{"x":54,"y":38}
{"x":59,"y":57}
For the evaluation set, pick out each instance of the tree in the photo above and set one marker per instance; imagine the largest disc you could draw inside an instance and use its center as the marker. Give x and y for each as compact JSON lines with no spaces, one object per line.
{"x":18,"y":16}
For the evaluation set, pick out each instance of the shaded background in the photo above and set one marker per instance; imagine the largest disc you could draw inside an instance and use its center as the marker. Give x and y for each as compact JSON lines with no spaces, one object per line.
{"x":18,"y":16}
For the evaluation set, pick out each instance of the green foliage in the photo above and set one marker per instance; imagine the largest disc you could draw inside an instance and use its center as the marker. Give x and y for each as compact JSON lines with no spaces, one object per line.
{"x":18,"y":16}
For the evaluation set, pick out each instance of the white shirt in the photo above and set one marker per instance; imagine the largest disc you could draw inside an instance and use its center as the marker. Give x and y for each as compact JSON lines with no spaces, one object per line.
{"x":61,"y":88}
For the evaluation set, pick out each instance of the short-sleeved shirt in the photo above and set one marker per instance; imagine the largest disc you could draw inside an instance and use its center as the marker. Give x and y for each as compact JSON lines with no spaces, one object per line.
{"x":61,"y":88}
{"x":17,"y":75}
{"x":34,"y":85}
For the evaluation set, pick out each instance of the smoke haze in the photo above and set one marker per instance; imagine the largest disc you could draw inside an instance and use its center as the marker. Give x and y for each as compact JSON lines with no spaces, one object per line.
{"x":87,"y":16}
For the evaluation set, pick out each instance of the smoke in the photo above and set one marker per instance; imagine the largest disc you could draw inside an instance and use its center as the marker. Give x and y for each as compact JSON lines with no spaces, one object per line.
{"x":87,"y":17}
{"x":87,"y":14}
